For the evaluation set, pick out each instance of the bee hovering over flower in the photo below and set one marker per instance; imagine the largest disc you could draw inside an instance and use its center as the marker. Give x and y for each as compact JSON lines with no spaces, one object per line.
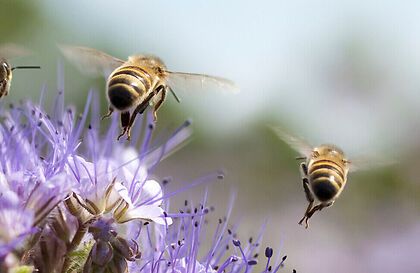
{"x":324,"y":171}
{"x":140,"y":81}
{"x":7,"y":52}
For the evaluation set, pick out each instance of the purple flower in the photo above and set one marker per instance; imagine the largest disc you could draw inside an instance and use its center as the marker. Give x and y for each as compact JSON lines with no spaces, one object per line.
{"x":102,"y":189}
{"x":49,"y":158}
{"x":27,"y":193}
{"x":16,"y":224}
{"x":179,"y":248}
{"x":74,"y":199}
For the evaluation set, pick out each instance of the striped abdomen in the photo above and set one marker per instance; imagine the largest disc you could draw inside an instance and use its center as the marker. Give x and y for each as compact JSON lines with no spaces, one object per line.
{"x":126,"y":85}
{"x":326,"y":179}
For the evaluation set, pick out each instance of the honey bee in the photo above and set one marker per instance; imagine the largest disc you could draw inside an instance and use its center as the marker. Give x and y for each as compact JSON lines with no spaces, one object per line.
{"x":324,"y":171}
{"x":135,"y":84}
{"x":7,"y":52}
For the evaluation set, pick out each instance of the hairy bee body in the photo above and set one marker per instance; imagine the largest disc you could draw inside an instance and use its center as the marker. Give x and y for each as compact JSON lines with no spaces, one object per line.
{"x":324,"y":171}
{"x":134,"y":81}
{"x":324,"y":175}
{"x":327,"y":173}
{"x":139,"y":82}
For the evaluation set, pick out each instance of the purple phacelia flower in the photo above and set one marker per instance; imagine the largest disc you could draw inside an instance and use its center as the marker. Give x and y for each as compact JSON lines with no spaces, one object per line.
{"x":16,"y":225}
{"x":179,"y":249}
{"x":74,"y":199}
{"x":108,"y":192}
{"x":48,"y":159}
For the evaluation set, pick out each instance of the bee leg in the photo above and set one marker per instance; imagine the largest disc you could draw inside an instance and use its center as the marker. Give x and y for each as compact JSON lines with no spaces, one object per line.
{"x":125,"y":118}
{"x":310,"y":199}
{"x":308,"y":193}
{"x":159,"y":103}
{"x":305,"y":217}
{"x":311,"y":212}
{"x":303,"y":169}
{"x":316,"y":208}
{"x":107,"y":115}
{"x":139,"y":110}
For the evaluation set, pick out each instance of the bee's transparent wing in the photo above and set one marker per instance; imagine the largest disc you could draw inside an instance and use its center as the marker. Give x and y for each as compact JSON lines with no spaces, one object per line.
{"x":370,"y":163}
{"x":91,"y":61}
{"x":294,"y":142}
{"x":10,"y":51}
{"x":192,"y":81}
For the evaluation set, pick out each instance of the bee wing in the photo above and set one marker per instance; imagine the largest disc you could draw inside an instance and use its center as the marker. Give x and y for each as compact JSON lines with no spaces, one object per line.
{"x":369,"y":163}
{"x":294,"y":142}
{"x":91,"y":61}
{"x":9,"y":51}
{"x":193,"y":81}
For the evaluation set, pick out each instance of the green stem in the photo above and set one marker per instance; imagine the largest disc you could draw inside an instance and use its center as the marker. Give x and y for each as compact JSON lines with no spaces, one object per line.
{"x":80,"y":233}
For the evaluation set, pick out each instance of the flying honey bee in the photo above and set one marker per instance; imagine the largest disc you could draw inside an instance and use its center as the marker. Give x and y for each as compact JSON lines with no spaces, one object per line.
{"x":324,"y":171}
{"x":139,"y":82}
{"x":7,"y":52}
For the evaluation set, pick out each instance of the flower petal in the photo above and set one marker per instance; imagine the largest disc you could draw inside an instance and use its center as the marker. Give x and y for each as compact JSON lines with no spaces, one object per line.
{"x":120,"y":191}
{"x":151,"y":190}
{"x":147,"y":212}
{"x":130,"y":156}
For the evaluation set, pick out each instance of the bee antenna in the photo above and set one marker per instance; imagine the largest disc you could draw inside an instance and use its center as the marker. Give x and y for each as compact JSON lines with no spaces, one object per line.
{"x":26,"y":67}
{"x":174,"y":94}
{"x":300,"y":158}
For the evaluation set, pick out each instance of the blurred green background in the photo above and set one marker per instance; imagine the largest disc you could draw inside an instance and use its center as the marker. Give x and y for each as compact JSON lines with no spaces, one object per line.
{"x":343,"y":72}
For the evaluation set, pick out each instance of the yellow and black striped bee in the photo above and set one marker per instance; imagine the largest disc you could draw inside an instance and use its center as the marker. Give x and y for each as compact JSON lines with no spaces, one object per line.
{"x":324,"y":171}
{"x":139,"y":82}
{"x":7,"y":52}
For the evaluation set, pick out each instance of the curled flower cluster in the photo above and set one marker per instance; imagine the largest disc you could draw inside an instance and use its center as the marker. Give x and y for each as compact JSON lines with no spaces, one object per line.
{"x":74,"y":199}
